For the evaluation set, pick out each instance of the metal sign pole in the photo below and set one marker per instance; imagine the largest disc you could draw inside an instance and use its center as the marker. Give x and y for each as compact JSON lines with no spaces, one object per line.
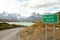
{"x":54,"y":32}
{"x":46,"y":32}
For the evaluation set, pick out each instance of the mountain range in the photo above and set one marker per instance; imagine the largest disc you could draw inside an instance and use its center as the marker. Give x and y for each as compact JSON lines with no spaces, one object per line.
{"x":33,"y":17}
{"x":18,"y":17}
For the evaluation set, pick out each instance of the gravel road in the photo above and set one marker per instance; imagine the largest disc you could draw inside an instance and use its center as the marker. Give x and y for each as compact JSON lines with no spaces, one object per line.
{"x":11,"y":34}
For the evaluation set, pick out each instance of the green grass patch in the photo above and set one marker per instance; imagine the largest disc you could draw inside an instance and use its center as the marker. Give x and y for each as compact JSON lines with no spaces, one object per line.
{"x":4,"y":26}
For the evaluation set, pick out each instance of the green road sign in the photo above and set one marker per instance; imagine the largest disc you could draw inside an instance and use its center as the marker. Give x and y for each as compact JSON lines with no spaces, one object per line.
{"x":50,"y":18}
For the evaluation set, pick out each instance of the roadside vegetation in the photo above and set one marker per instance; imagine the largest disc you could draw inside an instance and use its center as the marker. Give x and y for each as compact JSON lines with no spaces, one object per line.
{"x":4,"y":26}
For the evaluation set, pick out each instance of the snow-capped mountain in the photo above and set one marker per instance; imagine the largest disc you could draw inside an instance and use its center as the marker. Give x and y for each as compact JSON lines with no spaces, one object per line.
{"x":7,"y":16}
{"x":33,"y":17}
{"x":18,"y":17}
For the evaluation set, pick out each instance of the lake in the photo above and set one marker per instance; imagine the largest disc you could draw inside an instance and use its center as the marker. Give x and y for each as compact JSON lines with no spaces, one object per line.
{"x":21,"y":23}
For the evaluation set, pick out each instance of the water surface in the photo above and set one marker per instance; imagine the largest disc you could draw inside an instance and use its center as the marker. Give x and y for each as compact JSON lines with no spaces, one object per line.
{"x":21,"y":23}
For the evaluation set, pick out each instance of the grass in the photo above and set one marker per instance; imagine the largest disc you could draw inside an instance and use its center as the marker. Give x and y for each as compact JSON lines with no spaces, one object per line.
{"x":4,"y":26}
{"x":38,"y":34}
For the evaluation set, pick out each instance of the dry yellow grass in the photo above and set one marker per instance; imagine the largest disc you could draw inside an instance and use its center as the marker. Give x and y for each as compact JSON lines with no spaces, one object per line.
{"x":37,"y":31}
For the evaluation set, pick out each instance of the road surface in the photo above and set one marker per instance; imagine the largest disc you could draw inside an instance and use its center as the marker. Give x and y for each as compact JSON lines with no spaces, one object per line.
{"x":11,"y":34}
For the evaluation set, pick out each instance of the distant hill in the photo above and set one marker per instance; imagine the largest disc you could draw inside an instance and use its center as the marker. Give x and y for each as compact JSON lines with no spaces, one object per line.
{"x":59,"y":15}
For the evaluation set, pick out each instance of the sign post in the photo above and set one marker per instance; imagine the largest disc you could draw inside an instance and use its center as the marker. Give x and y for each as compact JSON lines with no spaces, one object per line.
{"x":50,"y":19}
{"x":54,"y":32}
{"x":46,"y":32}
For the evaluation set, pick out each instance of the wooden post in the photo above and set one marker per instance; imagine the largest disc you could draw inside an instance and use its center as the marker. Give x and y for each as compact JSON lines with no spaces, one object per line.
{"x":46,"y":32}
{"x":54,"y":32}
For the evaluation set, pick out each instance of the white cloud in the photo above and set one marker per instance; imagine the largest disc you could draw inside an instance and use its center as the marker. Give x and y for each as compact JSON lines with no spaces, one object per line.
{"x":9,"y":5}
{"x":42,"y":5}
{"x":33,"y":3}
{"x":28,"y":6}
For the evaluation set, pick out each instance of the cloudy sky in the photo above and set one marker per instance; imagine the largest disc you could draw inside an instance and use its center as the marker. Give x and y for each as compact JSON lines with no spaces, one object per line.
{"x":26,"y":7}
